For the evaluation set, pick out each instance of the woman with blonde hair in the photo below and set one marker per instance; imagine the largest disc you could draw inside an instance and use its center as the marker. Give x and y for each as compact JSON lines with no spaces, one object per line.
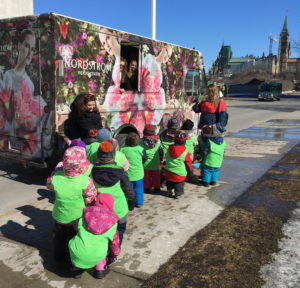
{"x":212,"y":108}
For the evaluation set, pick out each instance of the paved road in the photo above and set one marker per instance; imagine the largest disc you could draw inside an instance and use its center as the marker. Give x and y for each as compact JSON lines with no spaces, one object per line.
{"x":156,"y":231}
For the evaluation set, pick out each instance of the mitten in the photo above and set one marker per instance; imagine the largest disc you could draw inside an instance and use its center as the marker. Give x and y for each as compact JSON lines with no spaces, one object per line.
{"x":131,"y":204}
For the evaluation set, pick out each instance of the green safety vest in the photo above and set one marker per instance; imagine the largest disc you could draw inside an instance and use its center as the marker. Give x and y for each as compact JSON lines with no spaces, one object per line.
{"x":190,"y":144}
{"x":120,"y":202}
{"x":120,"y":159}
{"x":153,"y":162}
{"x":69,"y":202}
{"x":92,"y":150}
{"x":215,"y":156}
{"x":88,"y":249}
{"x":134,"y":156}
{"x":166,"y":145}
{"x":176,"y":165}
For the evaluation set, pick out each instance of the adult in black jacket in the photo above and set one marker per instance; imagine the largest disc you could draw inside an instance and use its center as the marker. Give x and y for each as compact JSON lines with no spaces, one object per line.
{"x":88,"y":118}
{"x":133,"y":75}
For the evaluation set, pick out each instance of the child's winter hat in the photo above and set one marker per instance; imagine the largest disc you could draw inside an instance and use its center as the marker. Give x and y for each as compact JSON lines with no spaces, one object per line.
{"x":78,"y":143}
{"x":106,"y":153}
{"x":75,"y":162}
{"x":187,"y":125}
{"x":103,"y":135}
{"x":180,"y":138}
{"x":149,"y":130}
{"x":132,"y":139}
{"x":172,"y":124}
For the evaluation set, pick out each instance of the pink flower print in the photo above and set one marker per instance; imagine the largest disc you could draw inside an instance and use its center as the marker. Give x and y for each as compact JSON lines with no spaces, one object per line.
{"x":70,"y":85}
{"x":172,"y":89}
{"x":99,"y":59}
{"x":170,"y":69}
{"x":75,"y":44}
{"x":29,"y":144}
{"x":139,"y":121}
{"x":80,"y":38}
{"x":114,"y":96}
{"x":17,"y":102}
{"x":126,"y":100}
{"x":27,"y":121}
{"x":5,"y":97}
{"x":26,"y":92}
{"x":93,"y":85}
{"x":69,"y":78}
{"x":84,"y":35}
{"x":157,"y":80}
{"x":124,"y":116}
{"x":66,"y":52}
{"x":35,"y":108}
{"x":149,"y":100}
{"x":2,"y":120}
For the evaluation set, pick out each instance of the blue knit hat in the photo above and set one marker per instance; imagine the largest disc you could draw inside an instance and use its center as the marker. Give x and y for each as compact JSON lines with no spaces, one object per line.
{"x":172,"y":124}
{"x":103,"y":135}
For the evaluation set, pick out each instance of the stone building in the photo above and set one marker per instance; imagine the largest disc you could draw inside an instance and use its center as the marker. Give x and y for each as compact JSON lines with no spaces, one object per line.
{"x":226,"y":65}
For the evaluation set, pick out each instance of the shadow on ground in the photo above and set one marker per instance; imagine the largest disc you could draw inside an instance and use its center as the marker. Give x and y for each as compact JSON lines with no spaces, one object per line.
{"x":36,"y":232}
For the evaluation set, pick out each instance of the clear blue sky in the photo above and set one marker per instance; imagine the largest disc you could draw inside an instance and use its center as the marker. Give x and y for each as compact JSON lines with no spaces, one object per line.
{"x":203,"y":24}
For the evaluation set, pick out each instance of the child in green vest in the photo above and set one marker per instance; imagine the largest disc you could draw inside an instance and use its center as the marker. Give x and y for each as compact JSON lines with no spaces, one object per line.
{"x":155,"y":154}
{"x":74,"y":189}
{"x":212,"y":155}
{"x":191,"y":137}
{"x":96,"y":237}
{"x":187,"y":127}
{"x":136,"y":156}
{"x":92,"y":149}
{"x":178,"y":165}
{"x":167,"y":138}
{"x":110,"y":178}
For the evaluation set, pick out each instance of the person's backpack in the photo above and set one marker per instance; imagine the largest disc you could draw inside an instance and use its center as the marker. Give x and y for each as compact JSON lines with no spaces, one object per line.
{"x":224,"y":123}
{"x":70,"y":126}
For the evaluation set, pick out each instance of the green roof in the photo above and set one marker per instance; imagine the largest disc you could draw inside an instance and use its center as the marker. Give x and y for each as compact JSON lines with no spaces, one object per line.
{"x":285,"y":29}
{"x":239,"y":60}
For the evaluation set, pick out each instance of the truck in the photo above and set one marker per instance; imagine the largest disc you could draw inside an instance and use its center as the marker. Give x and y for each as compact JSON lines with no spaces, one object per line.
{"x":48,"y":59}
{"x":270,"y":91}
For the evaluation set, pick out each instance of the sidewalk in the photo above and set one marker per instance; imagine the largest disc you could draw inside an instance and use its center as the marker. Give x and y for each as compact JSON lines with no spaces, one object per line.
{"x":157,"y":230}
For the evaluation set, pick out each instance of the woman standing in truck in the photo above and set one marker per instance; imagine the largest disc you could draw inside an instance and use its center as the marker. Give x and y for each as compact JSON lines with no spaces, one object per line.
{"x":135,"y":108}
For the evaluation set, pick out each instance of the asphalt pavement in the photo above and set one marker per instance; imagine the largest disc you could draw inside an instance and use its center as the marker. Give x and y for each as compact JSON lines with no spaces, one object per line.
{"x":155,"y":232}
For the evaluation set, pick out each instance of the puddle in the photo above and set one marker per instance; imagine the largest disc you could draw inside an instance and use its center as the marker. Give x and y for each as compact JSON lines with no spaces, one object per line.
{"x":276,"y":129}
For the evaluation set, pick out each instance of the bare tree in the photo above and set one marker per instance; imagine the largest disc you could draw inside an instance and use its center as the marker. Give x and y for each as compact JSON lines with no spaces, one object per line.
{"x":296,"y":45}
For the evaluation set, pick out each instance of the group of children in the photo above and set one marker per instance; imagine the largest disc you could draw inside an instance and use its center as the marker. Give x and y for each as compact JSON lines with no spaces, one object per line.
{"x":97,"y":184}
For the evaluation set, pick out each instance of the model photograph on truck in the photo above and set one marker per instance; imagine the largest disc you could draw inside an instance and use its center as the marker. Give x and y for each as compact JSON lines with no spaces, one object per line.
{"x":47,"y":60}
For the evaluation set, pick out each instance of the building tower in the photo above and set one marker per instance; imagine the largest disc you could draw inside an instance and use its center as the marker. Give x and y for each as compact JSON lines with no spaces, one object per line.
{"x":284,"y":49}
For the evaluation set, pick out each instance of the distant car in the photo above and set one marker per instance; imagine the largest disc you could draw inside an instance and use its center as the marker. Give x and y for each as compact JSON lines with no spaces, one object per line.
{"x":270,"y":91}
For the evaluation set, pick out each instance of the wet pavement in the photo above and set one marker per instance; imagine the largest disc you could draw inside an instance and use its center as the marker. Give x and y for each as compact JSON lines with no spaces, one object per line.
{"x":163,"y":225}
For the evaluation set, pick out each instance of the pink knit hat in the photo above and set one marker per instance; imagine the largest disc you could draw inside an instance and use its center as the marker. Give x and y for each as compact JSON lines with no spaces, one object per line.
{"x":75,"y":162}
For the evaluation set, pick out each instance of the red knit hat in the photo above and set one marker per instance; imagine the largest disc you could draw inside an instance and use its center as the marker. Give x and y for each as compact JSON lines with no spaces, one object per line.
{"x":149,"y":130}
{"x":180,"y":138}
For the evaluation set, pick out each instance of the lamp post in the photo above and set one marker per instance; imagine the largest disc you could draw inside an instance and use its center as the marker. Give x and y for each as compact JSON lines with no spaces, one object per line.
{"x":153,"y":20}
